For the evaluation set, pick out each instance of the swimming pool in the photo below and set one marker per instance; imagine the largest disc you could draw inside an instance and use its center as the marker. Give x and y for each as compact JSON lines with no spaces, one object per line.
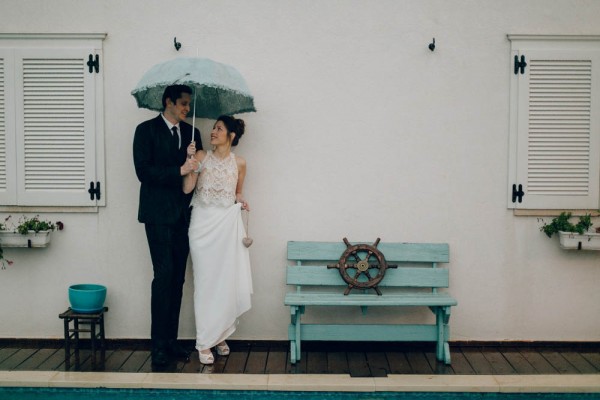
{"x":35,"y":393}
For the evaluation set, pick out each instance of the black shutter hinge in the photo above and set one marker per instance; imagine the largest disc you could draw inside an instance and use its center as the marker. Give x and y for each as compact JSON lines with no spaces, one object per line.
{"x":94,"y":64}
{"x":520,"y":65}
{"x":94,"y":191}
{"x":517,"y":194}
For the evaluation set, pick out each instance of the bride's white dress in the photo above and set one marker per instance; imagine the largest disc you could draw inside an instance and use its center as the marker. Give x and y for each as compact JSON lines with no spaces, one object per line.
{"x":221,"y":263}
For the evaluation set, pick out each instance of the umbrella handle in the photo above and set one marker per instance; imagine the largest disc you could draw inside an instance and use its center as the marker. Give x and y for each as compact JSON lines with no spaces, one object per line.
{"x":194,"y":117}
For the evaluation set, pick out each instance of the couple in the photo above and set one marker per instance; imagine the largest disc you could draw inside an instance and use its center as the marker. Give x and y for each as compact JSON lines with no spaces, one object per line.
{"x":174,"y":176}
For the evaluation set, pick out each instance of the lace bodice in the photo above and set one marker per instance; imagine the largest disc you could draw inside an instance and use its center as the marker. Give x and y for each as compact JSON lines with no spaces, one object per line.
{"x":217,"y":181}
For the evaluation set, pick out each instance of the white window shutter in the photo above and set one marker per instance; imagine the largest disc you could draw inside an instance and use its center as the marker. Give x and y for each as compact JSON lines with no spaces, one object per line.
{"x":55,"y":127}
{"x":558,"y":129}
{"x":8,"y":176}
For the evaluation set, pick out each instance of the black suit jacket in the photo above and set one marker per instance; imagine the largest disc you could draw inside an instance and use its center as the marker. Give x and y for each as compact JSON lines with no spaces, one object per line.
{"x":157,"y":165}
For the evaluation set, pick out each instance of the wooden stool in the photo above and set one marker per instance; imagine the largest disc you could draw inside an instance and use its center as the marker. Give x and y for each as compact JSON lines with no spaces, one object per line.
{"x":90,"y":322}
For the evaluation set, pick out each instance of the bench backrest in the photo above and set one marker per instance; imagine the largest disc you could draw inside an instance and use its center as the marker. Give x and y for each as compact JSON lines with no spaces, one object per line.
{"x":320,"y":254}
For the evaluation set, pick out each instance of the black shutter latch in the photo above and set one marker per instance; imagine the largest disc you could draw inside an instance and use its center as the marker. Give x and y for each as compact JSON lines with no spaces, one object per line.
{"x":520,"y":65}
{"x":94,"y":191}
{"x":94,"y":64}
{"x":517,"y":193}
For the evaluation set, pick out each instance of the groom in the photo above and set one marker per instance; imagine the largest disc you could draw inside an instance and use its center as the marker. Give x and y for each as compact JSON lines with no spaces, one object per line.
{"x":159,"y":155}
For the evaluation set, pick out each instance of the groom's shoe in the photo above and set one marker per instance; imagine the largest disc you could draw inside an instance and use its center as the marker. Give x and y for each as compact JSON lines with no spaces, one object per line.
{"x":177,"y":350}
{"x":159,"y":357}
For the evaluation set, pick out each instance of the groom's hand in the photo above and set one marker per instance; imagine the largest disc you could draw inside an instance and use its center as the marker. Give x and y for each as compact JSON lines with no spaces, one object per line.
{"x":190,"y":165}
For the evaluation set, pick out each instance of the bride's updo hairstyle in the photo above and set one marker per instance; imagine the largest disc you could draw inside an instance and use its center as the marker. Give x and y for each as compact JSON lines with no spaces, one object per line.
{"x":234,"y":125}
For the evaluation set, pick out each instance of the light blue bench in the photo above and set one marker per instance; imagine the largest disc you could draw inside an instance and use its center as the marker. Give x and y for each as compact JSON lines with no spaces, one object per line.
{"x":401,"y":287}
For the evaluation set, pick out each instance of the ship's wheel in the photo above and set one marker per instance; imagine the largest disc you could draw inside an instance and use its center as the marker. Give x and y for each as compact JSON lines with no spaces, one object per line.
{"x":365,"y":272}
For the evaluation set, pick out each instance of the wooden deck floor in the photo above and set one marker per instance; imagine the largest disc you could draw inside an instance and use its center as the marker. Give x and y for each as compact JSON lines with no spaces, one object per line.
{"x":356,"y":359}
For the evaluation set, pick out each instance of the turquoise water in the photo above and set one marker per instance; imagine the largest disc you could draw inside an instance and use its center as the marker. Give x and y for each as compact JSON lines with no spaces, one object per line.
{"x":143,"y":394}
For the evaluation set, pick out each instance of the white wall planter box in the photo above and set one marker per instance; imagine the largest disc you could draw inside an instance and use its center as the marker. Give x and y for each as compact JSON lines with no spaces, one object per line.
{"x":585,"y":241}
{"x":31,"y":239}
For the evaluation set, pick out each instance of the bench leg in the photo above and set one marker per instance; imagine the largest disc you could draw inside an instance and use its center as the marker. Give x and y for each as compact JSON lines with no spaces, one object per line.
{"x":295,"y":335}
{"x":293,"y":356}
{"x":447,"y":353}
{"x":442,"y":316}
{"x":439,"y":321}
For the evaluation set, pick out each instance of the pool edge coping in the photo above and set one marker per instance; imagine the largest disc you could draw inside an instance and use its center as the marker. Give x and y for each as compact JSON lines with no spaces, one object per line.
{"x":588,"y":383}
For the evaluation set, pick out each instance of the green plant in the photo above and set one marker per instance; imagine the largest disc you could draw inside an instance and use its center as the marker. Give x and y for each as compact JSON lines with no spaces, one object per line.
{"x":34,"y":224}
{"x":4,"y":261}
{"x":562,"y":223}
{"x":24,"y":227}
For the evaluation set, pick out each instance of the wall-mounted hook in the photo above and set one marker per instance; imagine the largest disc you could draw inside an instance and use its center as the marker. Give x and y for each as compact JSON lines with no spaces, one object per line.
{"x":432,"y":45}
{"x":176,"y":44}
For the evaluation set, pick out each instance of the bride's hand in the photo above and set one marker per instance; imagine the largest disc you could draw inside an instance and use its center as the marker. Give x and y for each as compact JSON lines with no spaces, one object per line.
{"x":240,"y":199}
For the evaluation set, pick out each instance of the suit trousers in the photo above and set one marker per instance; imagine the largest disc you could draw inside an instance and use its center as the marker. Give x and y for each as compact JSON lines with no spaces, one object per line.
{"x":169,"y":249}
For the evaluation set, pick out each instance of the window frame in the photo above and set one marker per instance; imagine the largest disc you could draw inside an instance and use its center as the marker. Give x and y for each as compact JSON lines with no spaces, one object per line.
{"x":24,"y":43}
{"x":522,"y":44}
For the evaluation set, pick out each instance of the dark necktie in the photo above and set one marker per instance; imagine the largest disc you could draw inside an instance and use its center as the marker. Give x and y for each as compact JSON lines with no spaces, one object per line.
{"x":175,"y":136}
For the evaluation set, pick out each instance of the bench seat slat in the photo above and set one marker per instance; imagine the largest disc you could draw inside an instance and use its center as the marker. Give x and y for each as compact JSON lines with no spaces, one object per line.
{"x":394,"y":252}
{"x":394,"y":277}
{"x":335,"y":299}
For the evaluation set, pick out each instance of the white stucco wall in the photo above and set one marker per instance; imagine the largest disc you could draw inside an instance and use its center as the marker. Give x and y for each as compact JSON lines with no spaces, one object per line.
{"x":361,"y":131}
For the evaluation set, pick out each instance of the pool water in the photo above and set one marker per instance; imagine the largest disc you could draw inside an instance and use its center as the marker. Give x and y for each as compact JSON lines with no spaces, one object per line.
{"x":27,"y":393}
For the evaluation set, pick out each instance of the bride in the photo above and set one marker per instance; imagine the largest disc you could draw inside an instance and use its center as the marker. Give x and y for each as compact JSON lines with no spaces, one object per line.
{"x":221,"y":263}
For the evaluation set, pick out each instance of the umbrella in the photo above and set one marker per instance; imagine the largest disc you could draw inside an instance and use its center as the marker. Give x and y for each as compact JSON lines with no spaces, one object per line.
{"x":219,"y":89}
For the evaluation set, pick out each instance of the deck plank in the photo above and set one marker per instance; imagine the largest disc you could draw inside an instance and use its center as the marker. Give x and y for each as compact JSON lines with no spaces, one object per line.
{"x":53,"y":363}
{"x":541,"y":365}
{"x":257,"y":359}
{"x":558,"y":361}
{"x":593,"y":358}
{"x":579,"y":362}
{"x":356,"y":359}
{"x":276,"y":360}
{"x":357,"y":364}
{"x":192,"y":365}
{"x":398,"y":363}
{"x":316,"y":362}
{"x":518,"y":362}
{"x":418,"y":362}
{"x":499,"y":364}
{"x":135,"y":362}
{"x":217,"y":368}
{"x":460,"y":364}
{"x":480,"y":365}
{"x":36,"y":359}
{"x":6,"y":353}
{"x":115,"y":359}
{"x":17,"y":358}
{"x":299,"y":367}
{"x":378,"y":364}
{"x":337,"y":362}
{"x":439,"y":368}
{"x":236,"y":362}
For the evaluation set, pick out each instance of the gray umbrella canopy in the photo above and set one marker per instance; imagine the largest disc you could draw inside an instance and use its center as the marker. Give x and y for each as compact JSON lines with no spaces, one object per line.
{"x":219,"y":89}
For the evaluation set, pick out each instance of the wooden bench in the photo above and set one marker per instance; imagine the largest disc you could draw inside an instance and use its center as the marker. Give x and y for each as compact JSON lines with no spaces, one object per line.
{"x":413,"y":285}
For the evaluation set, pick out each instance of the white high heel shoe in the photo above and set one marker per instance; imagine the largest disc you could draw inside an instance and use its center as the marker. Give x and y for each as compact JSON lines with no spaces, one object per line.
{"x":223,"y":349}
{"x":206,"y":358}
